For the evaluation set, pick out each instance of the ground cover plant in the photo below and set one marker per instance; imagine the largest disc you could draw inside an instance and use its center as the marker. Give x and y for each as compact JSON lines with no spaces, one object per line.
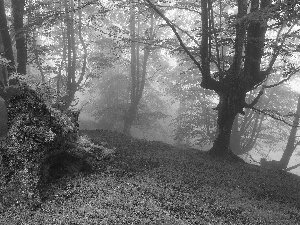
{"x":150,"y":182}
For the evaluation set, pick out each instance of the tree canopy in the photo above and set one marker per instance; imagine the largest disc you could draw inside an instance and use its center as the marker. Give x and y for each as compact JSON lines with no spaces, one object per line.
{"x":226,"y":67}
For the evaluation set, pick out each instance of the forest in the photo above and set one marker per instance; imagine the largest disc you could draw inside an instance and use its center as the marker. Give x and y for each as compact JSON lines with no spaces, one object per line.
{"x":185,"y":112}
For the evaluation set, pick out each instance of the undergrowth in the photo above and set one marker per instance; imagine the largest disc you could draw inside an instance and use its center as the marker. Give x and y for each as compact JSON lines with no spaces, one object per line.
{"x":155,"y":183}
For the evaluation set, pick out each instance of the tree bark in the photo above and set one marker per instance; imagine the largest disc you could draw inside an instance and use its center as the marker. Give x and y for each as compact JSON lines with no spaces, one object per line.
{"x":290,"y":146}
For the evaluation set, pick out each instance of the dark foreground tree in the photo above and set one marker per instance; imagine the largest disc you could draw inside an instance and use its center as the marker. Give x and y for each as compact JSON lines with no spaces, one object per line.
{"x":245,"y":72}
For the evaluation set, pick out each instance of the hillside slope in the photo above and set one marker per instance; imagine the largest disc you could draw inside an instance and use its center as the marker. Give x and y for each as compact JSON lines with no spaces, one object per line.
{"x":155,"y":183}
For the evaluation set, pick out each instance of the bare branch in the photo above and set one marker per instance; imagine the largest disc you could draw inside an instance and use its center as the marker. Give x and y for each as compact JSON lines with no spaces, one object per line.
{"x":255,"y":101}
{"x":187,"y":33}
{"x":171,"y":25}
{"x":285,"y":79}
{"x":278,"y":48}
{"x":292,"y":167}
{"x":275,"y":115}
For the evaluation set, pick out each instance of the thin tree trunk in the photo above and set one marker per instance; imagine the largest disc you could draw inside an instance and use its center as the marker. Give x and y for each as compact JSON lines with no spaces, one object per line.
{"x":290,"y":147}
{"x":18,"y":7}
{"x":37,"y":58}
{"x":138,"y":78}
{"x":3,"y":70}
{"x":6,"y":40}
{"x":62,"y":62}
{"x":84,"y":60}
{"x":30,"y":20}
{"x":130,"y":114}
{"x":71,"y":87}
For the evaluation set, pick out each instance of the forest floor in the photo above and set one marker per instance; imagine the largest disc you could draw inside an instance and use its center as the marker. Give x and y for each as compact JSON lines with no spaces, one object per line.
{"x":150,"y":182}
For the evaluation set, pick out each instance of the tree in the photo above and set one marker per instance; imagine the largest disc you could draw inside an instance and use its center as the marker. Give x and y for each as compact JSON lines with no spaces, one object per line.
{"x":246,"y":72}
{"x":138,"y":72}
{"x":66,"y":57}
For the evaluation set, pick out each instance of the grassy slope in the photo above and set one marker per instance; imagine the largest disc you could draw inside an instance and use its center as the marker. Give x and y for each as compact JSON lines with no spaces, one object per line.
{"x":154,"y":183}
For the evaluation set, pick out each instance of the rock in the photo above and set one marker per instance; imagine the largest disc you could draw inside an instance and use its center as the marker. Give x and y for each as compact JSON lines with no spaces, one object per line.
{"x":41,"y":145}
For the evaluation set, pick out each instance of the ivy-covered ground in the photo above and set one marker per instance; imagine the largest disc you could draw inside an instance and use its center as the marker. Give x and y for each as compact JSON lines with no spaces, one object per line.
{"x":151,"y":182}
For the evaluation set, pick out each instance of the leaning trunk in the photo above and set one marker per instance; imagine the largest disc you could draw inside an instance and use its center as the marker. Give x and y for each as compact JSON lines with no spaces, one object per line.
{"x":290,"y":147}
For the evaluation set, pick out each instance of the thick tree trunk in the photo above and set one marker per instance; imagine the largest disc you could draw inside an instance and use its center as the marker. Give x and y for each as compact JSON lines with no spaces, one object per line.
{"x":235,"y":137}
{"x":225,"y":120}
{"x":290,"y":147}
{"x":229,"y":106}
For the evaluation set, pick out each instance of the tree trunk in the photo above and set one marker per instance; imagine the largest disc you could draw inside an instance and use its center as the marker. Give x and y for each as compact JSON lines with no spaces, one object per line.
{"x":18,"y":12}
{"x":235,"y":137}
{"x":290,"y":147}
{"x":129,"y":115}
{"x":129,"y":118}
{"x":3,"y":70}
{"x":230,"y":104}
{"x":62,"y":62}
{"x":138,"y":78}
{"x":226,"y":115}
{"x":6,"y":40}
{"x":36,"y":55}
{"x":3,"y":119}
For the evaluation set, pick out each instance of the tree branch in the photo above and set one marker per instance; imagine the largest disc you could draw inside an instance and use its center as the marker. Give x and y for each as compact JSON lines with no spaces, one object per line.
{"x":275,"y":115}
{"x":255,"y":101}
{"x":171,"y":25}
{"x":278,"y":48}
{"x":284,"y":80}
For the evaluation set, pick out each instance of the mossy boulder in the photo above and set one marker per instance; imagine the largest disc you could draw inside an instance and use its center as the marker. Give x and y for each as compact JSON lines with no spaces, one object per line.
{"x":40,"y":146}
